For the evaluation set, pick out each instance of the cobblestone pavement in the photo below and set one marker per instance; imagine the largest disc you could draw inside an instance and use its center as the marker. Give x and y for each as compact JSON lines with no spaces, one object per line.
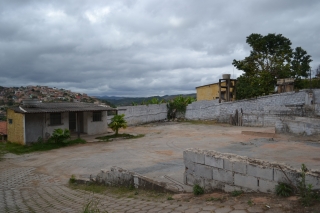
{"x":23,"y":189}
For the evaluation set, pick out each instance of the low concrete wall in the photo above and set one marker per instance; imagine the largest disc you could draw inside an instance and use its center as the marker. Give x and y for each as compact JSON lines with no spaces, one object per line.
{"x":229,"y":172}
{"x":144,"y":114}
{"x":298,"y":125}
{"x":120,"y":177}
{"x":262,"y":111}
{"x":211,"y":110}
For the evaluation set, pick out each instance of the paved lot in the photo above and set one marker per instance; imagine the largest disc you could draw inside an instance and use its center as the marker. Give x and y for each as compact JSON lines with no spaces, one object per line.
{"x":23,"y":189}
{"x":37,"y":182}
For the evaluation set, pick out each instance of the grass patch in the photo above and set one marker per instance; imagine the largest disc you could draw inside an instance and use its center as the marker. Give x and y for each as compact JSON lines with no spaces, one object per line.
{"x":221,"y":199}
{"x":121,"y":191}
{"x":94,"y":188}
{"x":2,"y":151}
{"x":198,"y":190}
{"x":208,"y":122}
{"x":124,"y":136}
{"x":92,"y":207}
{"x":236,"y":193}
{"x":38,"y":146}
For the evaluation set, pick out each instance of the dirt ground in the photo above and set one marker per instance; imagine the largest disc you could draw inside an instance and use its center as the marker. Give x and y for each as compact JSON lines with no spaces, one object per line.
{"x":158,"y":155}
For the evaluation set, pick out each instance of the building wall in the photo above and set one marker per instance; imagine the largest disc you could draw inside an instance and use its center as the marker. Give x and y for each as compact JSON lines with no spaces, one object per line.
{"x":210,"y":92}
{"x":97,"y":127}
{"x":16,"y":129}
{"x":229,"y":172}
{"x":298,"y":126}
{"x":34,"y":127}
{"x":48,"y":129}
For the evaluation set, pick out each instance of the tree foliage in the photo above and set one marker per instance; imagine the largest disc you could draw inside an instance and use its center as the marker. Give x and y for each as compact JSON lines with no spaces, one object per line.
{"x":271,"y":58}
{"x":178,"y":105}
{"x":118,"y":122}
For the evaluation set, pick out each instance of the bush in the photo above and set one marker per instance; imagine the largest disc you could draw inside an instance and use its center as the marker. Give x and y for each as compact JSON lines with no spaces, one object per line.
{"x":178,"y":106}
{"x":60,"y":136}
{"x":284,"y":190}
{"x":198,"y":190}
{"x":236,"y":193}
{"x":306,"y":194}
{"x":72,"y":179}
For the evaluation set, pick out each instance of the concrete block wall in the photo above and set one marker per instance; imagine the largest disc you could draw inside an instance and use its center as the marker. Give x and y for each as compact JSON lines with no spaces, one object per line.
{"x":144,"y":114}
{"x":298,"y":126}
{"x":120,"y":177}
{"x":211,"y":110}
{"x":229,"y":172}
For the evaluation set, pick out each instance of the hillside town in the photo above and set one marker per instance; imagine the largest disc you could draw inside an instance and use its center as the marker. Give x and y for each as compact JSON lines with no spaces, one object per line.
{"x":10,"y":96}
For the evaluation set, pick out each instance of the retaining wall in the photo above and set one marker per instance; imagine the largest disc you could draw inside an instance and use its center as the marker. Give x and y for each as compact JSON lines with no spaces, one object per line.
{"x":120,"y":177}
{"x":144,"y":114}
{"x":211,"y":110}
{"x":229,"y":172}
{"x":298,"y":125}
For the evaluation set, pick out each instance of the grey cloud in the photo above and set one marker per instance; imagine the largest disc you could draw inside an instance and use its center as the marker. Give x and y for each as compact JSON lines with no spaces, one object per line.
{"x":140,"y":48}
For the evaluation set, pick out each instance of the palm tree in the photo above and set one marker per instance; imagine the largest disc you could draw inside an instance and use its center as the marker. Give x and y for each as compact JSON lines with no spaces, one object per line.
{"x":118,"y":122}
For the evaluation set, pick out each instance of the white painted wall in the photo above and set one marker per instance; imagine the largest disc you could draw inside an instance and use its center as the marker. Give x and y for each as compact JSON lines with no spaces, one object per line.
{"x":144,"y":114}
{"x":96,"y":127}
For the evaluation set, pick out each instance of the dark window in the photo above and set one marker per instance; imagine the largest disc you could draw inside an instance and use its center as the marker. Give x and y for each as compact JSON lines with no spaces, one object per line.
{"x":97,"y":116}
{"x":55,"y":118}
{"x":111,"y":112}
{"x":10,"y":121}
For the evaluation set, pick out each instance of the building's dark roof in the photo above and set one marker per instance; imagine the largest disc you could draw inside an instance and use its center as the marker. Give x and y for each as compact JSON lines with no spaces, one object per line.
{"x":60,"y":107}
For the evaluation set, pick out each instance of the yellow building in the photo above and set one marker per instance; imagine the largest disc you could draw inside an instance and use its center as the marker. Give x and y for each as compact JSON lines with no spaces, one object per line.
{"x":15,"y":127}
{"x":211,"y":91}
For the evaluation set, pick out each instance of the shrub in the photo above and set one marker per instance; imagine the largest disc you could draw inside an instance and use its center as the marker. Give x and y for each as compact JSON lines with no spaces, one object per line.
{"x":60,"y":135}
{"x":236,"y":193}
{"x":306,"y":194}
{"x":92,"y":207}
{"x":284,"y":190}
{"x":170,"y":198}
{"x":178,"y":105}
{"x":72,"y":179}
{"x":198,"y":190}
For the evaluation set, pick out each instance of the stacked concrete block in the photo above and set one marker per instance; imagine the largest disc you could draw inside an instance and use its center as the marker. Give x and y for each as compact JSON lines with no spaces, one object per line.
{"x":120,"y":177}
{"x":214,"y":170}
{"x":261,"y":111}
{"x":298,"y":126}
{"x":144,"y":114}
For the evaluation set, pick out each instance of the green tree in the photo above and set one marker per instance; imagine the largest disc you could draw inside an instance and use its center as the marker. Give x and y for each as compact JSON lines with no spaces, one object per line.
{"x":300,"y":66}
{"x":271,"y":58}
{"x":118,"y":122}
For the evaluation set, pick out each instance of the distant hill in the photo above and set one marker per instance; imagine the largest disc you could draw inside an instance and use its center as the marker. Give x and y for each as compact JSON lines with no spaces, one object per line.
{"x":127,"y":101}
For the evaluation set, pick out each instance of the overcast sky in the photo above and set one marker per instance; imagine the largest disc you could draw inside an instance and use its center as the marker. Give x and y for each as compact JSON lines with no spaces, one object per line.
{"x":141,"y":48}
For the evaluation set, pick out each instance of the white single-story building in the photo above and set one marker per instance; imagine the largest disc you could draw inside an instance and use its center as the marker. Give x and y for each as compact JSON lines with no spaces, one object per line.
{"x":33,"y":120}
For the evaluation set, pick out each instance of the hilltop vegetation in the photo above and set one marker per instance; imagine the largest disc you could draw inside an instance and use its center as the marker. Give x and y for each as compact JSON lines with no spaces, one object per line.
{"x":128,"y":101}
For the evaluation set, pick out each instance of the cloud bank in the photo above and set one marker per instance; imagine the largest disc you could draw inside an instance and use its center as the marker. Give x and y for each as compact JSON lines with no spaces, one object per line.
{"x":141,"y":48}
